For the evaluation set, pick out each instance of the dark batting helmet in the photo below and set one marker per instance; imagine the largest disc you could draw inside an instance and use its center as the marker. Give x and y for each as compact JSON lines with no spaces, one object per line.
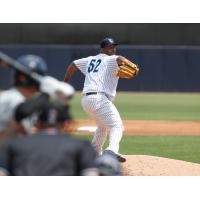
{"x":35,"y":64}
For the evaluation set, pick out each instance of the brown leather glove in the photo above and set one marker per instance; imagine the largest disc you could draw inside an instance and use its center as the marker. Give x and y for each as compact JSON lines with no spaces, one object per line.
{"x":127,"y":69}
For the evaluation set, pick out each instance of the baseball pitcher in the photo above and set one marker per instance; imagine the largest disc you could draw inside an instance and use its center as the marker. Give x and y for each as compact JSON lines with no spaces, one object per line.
{"x":102,"y":73}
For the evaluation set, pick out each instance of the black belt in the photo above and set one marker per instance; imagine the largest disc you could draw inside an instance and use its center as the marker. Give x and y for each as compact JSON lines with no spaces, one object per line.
{"x":90,"y":93}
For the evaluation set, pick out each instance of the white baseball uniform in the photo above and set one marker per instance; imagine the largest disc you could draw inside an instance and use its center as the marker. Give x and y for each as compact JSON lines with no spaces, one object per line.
{"x":100,"y":78}
{"x":9,"y":100}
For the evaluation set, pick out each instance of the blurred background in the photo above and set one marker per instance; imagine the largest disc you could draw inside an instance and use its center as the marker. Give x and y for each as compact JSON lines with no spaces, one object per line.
{"x":169,"y":54}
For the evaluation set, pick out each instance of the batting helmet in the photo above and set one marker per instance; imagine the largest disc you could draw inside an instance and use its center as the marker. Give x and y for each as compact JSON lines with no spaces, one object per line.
{"x":35,"y":64}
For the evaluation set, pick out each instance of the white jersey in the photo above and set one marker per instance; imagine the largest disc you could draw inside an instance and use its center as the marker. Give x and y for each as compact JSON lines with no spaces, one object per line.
{"x":9,"y":100}
{"x":99,"y":73}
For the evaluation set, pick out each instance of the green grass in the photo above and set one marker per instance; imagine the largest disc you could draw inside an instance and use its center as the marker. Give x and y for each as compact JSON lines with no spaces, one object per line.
{"x":150,"y":106}
{"x":177,"y":147}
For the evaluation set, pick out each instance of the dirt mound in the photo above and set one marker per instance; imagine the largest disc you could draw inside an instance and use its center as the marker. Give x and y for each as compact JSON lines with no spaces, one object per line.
{"x":142,"y":165}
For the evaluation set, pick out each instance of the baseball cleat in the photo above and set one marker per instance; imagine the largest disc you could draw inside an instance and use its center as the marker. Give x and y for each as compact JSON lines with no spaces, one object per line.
{"x":119,"y":157}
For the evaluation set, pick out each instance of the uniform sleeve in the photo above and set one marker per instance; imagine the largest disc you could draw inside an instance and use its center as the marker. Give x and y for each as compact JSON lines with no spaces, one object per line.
{"x":8,"y":102}
{"x":112,"y":61}
{"x":82,"y":64}
{"x":5,"y":158}
{"x":87,"y":158}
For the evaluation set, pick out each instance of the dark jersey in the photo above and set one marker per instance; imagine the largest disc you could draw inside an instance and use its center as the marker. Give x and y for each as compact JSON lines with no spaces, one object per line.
{"x":43,"y":154}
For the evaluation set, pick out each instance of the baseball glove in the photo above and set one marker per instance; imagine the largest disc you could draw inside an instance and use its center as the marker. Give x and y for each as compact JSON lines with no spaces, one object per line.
{"x":127,"y":69}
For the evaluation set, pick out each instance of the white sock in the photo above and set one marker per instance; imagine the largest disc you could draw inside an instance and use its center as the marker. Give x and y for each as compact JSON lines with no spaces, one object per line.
{"x":99,"y":139}
{"x":116,"y":133}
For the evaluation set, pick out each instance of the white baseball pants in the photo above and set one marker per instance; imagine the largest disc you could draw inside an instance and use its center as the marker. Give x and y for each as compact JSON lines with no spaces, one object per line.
{"x":104,"y":112}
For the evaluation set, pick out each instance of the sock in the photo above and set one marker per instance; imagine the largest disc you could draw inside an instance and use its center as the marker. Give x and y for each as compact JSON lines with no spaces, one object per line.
{"x":116,"y":133}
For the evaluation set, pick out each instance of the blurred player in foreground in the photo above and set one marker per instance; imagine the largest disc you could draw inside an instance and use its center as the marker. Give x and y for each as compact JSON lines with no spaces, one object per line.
{"x":25,"y":94}
{"x":108,"y":165}
{"x":50,"y":151}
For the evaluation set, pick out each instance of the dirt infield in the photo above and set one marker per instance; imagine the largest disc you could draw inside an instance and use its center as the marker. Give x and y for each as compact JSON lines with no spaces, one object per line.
{"x":150,"y":127}
{"x":142,"y":165}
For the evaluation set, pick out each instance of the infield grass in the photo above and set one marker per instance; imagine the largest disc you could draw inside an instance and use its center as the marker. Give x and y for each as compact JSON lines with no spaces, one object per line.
{"x":150,"y":106}
{"x":177,"y":147}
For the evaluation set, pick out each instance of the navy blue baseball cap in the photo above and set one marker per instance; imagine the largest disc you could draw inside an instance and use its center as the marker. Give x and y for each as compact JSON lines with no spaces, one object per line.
{"x":108,"y":42}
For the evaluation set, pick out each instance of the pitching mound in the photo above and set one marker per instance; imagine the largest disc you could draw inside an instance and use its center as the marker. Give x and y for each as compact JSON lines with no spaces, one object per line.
{"x":142,"y":165}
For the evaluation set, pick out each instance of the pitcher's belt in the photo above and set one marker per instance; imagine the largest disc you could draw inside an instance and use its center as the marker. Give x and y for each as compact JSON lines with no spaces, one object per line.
{"x":91,"y":93}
